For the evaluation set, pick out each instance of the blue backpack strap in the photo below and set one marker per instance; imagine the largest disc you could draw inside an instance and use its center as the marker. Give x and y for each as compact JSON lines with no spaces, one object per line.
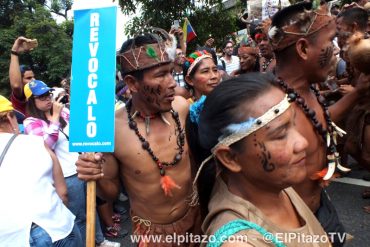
{"x":236,"y":226}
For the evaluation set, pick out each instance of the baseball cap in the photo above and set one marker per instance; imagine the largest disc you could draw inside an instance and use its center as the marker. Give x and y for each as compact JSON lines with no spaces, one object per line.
{"x":5,"y":104}
{"x":36,"y":88}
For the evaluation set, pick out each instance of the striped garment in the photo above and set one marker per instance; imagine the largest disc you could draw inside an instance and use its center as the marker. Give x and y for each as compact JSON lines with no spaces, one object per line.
{"x":50,"y":132}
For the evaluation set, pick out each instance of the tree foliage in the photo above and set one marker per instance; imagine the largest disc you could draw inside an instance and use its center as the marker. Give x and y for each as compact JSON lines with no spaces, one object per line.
{"x":215,"y":22}
{"x":60,"y":7}
{"x":205,"y":16}
{"x":51,"y":60}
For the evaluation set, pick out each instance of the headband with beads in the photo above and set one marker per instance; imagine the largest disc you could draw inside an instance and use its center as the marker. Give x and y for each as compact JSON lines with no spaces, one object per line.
{"x":149,"y":55}
{"x":235,"y":132}
{"x":314,"y":20}
{"x":195,"y":58}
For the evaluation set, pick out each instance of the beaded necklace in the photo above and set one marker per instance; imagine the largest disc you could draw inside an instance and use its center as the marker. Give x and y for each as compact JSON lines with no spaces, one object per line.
{"x":329,"y":135}
{"x":265,"y":64}
{"x":166,"y":182}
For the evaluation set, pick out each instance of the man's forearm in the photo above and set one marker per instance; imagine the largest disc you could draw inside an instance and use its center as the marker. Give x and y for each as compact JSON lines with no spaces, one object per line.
{"x":107,"y":189}
{"x":15,"y":76}
{"x":340,"y":109}
{"x":182,"y":45}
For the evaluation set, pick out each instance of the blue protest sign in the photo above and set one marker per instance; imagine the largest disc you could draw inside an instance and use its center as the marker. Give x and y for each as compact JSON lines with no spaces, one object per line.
{"x":93,"y":80}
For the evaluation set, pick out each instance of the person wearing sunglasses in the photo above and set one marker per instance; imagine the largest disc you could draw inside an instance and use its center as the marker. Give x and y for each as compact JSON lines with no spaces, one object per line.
{"x":50,"y":119}
{"x":45,"y":119}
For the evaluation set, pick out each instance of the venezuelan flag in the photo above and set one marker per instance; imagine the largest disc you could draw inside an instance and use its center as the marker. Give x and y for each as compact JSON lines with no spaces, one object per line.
{"x":189,"y":33}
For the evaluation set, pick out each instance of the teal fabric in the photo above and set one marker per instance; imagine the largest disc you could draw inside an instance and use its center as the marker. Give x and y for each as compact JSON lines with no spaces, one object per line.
{"x":236,"y":226}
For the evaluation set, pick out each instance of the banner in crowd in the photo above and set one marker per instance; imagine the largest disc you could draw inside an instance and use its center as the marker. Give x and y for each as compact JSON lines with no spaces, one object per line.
{"x":254,"y":9}
{"x":93,"y":80}
{"x":270,"y":7}
{"x":263,"y":9}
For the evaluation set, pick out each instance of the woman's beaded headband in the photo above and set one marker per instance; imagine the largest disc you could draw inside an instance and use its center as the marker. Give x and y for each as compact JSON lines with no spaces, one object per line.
{"x":235,"y":132}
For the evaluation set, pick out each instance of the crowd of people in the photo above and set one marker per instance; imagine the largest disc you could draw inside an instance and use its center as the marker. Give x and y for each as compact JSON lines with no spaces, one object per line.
{"x":240,"y":145}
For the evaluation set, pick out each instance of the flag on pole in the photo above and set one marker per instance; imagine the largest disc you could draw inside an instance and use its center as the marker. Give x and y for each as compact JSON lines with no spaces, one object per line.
{"x":189,"y":33}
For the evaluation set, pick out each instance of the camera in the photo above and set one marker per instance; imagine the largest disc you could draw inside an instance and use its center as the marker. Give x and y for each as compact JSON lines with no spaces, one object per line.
{"x":64,"y":99}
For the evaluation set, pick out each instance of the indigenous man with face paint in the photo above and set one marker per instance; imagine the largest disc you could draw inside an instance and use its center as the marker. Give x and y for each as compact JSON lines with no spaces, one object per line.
{"x":302,"y":41}
{"x":267,"y":60}
{"x":151,"y":153}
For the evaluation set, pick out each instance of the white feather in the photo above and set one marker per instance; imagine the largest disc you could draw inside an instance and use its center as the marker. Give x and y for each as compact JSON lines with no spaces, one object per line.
{"x":171,"y":47}
{"x":273,"y":31}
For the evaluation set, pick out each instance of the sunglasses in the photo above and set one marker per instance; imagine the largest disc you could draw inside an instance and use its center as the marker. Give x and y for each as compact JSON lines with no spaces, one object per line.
{"x":44,"y":96}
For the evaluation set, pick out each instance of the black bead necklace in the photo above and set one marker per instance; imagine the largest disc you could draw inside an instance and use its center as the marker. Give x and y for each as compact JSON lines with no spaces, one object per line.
{"x":146,"y":146}
{"x":311,"y":114}
{"x":328,"y":134}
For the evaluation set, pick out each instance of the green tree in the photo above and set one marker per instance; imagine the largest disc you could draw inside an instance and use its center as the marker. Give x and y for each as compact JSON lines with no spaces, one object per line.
{"x":51,"y":60}
{"x":216,"y":22}
{"x":205,"y":17}
{"x":60,"y":7}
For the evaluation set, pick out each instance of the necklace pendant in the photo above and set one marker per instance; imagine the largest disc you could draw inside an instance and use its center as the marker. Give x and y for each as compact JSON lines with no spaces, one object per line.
{"x":147,"y":125}
{"x":165,"y":120}
{"x":134,"y":115}
{"x":339,"y":131}
{"x":335,"y":137}
{"x":162,"y":172}
{"x":328,"y":139}
{"x":331,"y":170}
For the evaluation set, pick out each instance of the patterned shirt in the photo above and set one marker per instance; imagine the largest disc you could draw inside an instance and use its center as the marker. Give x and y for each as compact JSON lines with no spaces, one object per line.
{"x":50,"y":132}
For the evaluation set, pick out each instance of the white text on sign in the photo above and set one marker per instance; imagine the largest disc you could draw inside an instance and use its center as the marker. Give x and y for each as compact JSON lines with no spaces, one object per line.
{"x":92,"y":79}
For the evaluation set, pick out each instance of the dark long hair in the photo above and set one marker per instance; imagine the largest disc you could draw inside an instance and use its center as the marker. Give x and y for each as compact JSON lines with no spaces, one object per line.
{"x":33,"y":111}
{"x":221,"y":108}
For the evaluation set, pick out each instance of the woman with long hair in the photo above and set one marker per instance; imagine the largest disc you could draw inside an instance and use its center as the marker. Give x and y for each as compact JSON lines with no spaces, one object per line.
{"x":45,"y":119}
{"x":254,"y":155}
{"x":202,"y":76}
{"x":50,"y":119}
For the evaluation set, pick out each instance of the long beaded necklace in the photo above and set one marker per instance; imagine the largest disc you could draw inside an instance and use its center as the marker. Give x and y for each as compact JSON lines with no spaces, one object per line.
{"x":166,"y":182}
{"x":329,"y":135}
{"x":265,"y":64}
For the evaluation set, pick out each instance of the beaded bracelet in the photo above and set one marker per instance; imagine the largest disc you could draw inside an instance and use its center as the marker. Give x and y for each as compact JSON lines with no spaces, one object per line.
{"x":14,"y":53}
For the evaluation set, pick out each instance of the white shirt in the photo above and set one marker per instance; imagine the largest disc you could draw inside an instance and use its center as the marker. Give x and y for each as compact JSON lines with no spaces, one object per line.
{"x":27,"y":193}
{"x":234,"y":64}
{"x":67,"y":159}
